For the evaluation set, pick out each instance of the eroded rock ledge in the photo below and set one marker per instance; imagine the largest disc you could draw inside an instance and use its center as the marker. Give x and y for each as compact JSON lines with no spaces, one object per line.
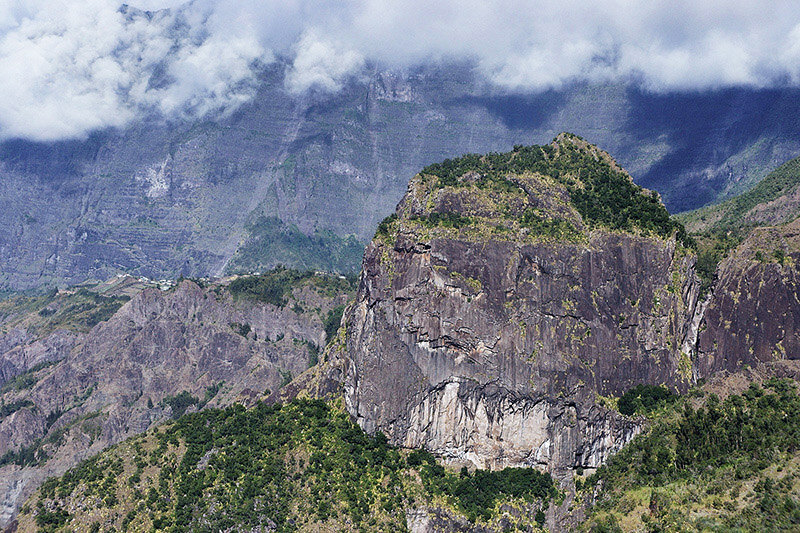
{"x":491,"y":342}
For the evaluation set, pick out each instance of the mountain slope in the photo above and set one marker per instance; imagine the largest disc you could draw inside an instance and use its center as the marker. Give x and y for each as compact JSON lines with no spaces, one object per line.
{"x":161,"y":354}
{"x":773,"y":200}
{"x":168,"y":199}
{"x":723,"y":459}
{"x":748,"y":249}
{"x":303,"y":466}
{"x":753,"y":314}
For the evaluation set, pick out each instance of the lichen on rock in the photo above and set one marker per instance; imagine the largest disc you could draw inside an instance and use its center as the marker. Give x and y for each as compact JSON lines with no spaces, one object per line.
{"x":496,"y":305}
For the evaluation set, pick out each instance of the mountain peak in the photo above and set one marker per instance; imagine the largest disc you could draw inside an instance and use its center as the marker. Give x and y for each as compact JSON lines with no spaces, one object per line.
{"x":556,"y":190}
{"x":570,"y":142}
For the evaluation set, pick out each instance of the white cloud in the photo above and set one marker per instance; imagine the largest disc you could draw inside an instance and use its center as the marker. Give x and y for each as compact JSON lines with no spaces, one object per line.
{"x":321,"y":64}
{"x":70,"y":66}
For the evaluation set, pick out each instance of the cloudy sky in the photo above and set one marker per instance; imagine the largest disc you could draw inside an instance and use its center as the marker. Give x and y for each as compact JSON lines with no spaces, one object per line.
{"x":69,"y":67}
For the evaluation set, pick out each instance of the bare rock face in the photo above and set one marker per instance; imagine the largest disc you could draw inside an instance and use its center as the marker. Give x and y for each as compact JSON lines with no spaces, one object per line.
{"x":19,"y":352}
{"x":123,"y":376}
{"x":489,"y":341}
{"x":753,"y":315}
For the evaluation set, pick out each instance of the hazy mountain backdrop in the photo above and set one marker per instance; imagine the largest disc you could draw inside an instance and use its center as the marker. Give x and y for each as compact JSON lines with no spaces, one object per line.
{"x":303,"y":180}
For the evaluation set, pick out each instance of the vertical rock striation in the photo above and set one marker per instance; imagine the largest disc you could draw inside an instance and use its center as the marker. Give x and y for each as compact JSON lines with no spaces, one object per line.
{"x":491,"y":316}
{"x":753,"y":315}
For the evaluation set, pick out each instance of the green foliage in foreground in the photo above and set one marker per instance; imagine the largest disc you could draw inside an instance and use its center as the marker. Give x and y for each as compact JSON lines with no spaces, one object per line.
{"x":644,"y":399}
{"x":477,"y":492}
{"x":282,"y":466}
{"x":734,"y":463}
{"x":603,"y":195}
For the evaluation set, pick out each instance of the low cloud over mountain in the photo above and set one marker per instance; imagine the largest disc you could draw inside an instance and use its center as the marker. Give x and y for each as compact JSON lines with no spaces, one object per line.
{"x":69,"y":68}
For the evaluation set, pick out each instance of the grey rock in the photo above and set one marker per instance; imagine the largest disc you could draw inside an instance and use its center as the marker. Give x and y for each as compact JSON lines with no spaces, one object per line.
{"x":493,"y":351}
{"x":164,"y":199}
{"x":110,"y":383}
{"x":19,"y":352}
{"x":753,"y":315}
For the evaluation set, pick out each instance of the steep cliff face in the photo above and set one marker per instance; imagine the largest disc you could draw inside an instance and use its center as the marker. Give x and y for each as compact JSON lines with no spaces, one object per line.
{"x":169,"y":199}
{"x":161,"y":354}
{"x":753,"y":315}
{"x":503,"y":299}
{"x":39,"y":329}
{"x":19,"y":352}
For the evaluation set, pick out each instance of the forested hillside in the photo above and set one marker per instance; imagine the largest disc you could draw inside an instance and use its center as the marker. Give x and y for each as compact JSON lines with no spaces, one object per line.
{"x":301,"y":466}
{"x":707,"y":464}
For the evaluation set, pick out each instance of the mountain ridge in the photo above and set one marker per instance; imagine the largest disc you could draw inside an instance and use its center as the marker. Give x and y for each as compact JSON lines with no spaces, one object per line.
{"x":160,"y":354}
{"x":168,"y":199}
{"x":771,"y":201}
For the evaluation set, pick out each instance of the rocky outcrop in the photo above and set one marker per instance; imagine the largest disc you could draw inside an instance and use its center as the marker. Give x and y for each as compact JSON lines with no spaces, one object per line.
{"x":753,"y":315}
{"x":489,"y":427}
{"x":124,"y":375}
{"x":490,"y":343}
{"x":19,"y":351}
{"x":435,"y":519}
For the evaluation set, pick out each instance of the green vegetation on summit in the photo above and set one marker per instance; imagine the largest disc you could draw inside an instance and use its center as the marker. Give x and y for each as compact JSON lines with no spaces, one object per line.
{"x":287,"y":467}
{"x":78,"y":310}
{"x":601,"y":192}
{"x":275,"y":287}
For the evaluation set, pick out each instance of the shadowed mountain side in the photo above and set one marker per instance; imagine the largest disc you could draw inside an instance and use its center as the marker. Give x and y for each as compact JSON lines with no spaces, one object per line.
{"x":165,"y":199}
{"x":732,"y":137}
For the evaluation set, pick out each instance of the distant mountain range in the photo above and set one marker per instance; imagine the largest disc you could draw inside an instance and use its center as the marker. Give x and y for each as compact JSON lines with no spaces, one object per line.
{"x":303,"y":181}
